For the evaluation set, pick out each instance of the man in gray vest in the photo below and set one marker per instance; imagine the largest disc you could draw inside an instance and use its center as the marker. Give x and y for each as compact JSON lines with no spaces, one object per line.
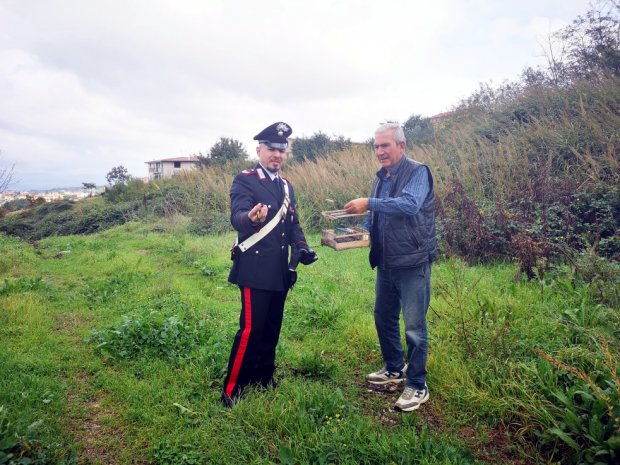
{"x":401,"y":222}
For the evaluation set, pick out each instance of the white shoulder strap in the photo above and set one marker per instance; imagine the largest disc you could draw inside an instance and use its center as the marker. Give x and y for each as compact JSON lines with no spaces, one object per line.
{"x":254,"y":238}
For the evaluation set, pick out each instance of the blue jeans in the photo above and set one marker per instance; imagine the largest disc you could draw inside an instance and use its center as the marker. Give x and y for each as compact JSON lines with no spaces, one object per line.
{"x":409,"y":289}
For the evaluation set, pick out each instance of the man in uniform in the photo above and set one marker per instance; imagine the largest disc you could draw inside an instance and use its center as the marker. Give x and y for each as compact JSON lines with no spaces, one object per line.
{"x":263,"y":212}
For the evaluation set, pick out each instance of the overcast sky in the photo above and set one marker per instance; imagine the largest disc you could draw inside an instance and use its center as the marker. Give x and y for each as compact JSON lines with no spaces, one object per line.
{"x":88,"y":85}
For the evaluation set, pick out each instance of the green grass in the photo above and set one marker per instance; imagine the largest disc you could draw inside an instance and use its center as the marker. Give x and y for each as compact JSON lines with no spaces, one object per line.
{"x":117,"y":343}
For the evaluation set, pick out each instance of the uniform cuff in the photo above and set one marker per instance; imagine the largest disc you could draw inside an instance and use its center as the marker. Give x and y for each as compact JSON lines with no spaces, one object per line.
{"x":246,"y":224}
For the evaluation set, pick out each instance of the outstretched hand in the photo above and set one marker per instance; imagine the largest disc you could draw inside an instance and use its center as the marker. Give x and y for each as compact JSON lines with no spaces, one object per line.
{"x":258,"y":214}
{"x":357,"y":206}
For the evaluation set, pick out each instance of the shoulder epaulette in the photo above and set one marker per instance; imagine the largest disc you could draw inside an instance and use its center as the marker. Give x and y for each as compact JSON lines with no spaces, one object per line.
{"x":255,"y":172}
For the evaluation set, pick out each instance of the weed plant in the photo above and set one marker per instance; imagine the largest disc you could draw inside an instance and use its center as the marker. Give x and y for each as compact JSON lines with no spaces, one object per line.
{"x":149,"y":334}
{"x":586,"y":408}
{"x":23,"y":447}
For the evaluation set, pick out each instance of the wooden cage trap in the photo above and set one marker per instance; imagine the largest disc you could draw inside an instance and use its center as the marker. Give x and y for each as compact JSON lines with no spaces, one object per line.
{"x":345,"y":230}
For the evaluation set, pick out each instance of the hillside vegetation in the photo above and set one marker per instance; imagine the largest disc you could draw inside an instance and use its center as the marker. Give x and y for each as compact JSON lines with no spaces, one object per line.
{"x":114,"y":347}
{"x":116,"y":317}
{"x":534,"y":178}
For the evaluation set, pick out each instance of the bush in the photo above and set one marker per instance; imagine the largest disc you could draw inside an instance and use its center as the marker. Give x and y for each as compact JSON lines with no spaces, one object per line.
{"x":168,"y":453}
{"x":126,"y":190}
{"x":315,"y":365}
{"x":602,"y":277}
{"x":66,"y":218}
{"x":15,"y":205}
{"x":150,"y":334}
{"x":596,"y":215}
{"x":536,"y":232}
{"x":211,"y":222}
{"x":25,"y":284}
{"x":172,"y":199}
{"x":318,"y":145}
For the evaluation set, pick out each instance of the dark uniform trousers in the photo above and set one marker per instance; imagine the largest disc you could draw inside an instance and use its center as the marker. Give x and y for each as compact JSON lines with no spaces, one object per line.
{"x":253,"y":354}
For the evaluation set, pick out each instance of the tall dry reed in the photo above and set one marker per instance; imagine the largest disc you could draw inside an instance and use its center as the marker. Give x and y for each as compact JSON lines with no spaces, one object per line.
{"x":515,"y":152}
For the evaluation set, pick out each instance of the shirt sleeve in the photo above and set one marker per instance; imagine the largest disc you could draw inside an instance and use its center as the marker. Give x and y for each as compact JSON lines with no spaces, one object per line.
{"x":411,"y":199}
{"x":242,"y":200}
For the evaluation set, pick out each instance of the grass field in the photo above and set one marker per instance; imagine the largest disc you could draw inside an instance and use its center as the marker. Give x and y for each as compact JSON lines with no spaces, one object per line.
{"x":113,"y":348}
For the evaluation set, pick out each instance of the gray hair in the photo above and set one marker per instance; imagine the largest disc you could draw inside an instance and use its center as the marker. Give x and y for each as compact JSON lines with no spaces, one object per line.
{"x":396,"y":128}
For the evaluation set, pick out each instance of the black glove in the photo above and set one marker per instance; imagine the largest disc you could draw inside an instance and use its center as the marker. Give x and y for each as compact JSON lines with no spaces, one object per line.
{"x":307,"y":255}
{"x":292,"y":278}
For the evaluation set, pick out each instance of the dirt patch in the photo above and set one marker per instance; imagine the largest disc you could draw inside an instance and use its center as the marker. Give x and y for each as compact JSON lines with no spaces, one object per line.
{"x":91,"y":423}
{"x":491,"y":444}
{"x":90,"y":435}
{"x":56,"y":256}
{"x":498,"y":447}
{"x":66,"y":322}
{"x":379,"y":400}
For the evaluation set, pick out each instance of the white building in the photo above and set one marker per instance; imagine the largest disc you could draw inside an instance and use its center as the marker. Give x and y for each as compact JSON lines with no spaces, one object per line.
{"x":168,"y":167}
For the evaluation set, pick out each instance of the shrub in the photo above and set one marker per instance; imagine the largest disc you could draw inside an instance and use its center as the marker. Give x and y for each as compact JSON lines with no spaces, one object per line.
{"x":168,"y":453}
{"x":211,"y":222}
{"x":65,"y":218}
{"x":125,"y":189}
{"x":536,"y":230}
{"x":315,"y":365}
{"x":22,"y":285}
{"x":596,"y":214}
{"x":150,"y":334}
{"x":172,"y":199}
{"x":15,"y":205}
{"x":601,"y":275}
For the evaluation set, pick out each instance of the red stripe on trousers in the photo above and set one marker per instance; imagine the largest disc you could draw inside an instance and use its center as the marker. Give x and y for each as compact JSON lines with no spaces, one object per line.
{"x":243,"y":343}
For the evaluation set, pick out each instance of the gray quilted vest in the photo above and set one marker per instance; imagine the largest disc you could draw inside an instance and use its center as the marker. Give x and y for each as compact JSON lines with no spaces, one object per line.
{"x":408,"y":241}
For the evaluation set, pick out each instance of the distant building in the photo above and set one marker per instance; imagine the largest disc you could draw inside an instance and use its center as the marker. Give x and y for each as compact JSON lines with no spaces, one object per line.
{"x":168,"y":167}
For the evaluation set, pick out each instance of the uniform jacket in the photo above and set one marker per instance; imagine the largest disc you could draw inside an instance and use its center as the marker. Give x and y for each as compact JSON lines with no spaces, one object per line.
{"x":408,"y":240}
{"x":265,"y":264}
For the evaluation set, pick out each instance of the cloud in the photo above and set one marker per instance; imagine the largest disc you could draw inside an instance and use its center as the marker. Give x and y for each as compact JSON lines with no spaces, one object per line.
{"x":90,"y":85}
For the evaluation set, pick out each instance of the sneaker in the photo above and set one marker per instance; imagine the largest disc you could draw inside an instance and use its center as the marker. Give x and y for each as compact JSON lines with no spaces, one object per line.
{"x":411,"y":399}
{"x":384,"y":376}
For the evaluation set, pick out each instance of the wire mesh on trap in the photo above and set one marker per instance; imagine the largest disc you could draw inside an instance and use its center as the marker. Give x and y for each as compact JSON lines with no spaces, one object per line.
{"x":345,"y":230}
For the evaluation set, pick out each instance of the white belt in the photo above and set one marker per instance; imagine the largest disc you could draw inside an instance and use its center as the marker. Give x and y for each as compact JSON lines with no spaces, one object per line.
{"x":281,"y":215}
